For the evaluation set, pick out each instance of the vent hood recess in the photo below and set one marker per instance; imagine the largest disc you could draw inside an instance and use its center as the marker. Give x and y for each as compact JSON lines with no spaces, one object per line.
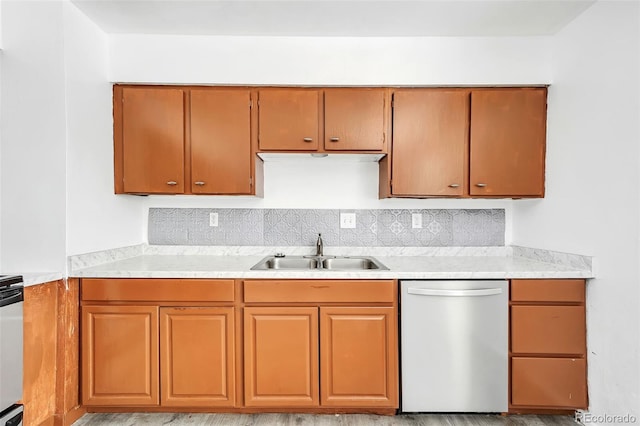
{"x":319,"y":156}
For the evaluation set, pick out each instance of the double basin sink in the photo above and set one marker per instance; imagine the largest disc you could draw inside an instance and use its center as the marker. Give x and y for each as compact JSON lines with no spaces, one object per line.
{"x":329,"y":263}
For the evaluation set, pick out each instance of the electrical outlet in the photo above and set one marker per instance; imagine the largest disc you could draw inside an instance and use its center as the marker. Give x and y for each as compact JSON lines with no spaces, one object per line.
{"x":347,"y":220}
{"x":213,"y":219}
{"x":416,"y":220}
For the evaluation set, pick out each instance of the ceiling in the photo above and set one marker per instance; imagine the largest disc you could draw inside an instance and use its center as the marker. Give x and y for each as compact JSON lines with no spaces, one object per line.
{"x":359,"y":18}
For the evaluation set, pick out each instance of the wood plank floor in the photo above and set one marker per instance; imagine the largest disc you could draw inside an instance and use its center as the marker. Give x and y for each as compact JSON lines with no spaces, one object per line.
{"x":190,"y":419}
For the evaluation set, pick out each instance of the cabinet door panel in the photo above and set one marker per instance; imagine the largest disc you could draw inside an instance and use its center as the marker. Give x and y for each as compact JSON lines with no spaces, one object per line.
{"x":430,"y":139}
{"x":197,"y":357}
{"x":153,"y":140}
{"x":281,"y":357}
{"x":508,"y":131}
{"x":220,"y":142}
{"x":354,"y":119}
{"x":358,"y":354}
{"x":119,"y":355}
{"x":548,"y":330}
{"x":288,"y":120}
{"x":549,"y":382}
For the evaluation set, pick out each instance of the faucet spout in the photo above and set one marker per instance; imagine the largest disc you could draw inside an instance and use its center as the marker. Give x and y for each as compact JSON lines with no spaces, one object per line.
{"x":319,"y":246}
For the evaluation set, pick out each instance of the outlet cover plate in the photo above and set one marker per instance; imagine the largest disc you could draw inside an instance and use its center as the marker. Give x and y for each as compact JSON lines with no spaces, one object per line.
{"x":347,"y":220}
{"x":213,"y":219}
{"x":416,"y":220}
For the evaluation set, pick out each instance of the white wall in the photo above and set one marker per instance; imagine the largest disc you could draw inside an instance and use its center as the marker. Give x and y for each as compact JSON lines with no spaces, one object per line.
{"x":32,"y":169}
{"x":592,"y":205}
{"x":97,"y":219}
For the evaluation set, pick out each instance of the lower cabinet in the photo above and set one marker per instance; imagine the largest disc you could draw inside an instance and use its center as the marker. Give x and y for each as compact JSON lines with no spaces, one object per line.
{"x":356,"y":346}
{"x":548,"y":345}
{"x":120,"y":355}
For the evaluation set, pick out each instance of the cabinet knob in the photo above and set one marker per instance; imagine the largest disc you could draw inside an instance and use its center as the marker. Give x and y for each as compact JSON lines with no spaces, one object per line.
{"x":308,"y":139}
{"x":334,"y":139}
{"x":481,"y":185}
{"x":199,"y":183}
{"x":172,"y":182}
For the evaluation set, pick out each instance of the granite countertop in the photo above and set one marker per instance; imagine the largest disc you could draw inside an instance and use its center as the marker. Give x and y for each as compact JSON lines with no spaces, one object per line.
{"x":403,"y":263}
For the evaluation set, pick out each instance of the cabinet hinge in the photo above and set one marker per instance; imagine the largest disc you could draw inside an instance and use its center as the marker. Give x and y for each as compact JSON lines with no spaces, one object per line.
{"x":250,"y":181}
{"x":250,"y":104}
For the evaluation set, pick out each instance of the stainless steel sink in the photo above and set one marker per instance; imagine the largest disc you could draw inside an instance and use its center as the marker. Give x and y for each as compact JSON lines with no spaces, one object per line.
{"x":329,"y":263}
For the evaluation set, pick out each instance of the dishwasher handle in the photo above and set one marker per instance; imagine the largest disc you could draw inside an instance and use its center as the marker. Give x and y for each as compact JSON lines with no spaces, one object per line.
{"x":454,"y":293}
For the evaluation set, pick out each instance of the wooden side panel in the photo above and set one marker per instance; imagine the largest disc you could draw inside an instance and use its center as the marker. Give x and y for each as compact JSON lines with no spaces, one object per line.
{"x":288,"y":120}
{"x":281,"y":357}
{"x":120,"y":355}
{"x":318,"y":291}
{"x":68,"y":359}
{"x":508,"y":133}
{"x":358,"y":354}
{"x":157,"y":290}
{"x":430,"y":139}
{"x":548,"y":330}
{"x":549,"y":382}
{"x":354,"y":119}
{"x":220,"y":141}
{"x":548,"y":291}
{"x":197,"y":357}
{"x":153,"y":140}
{"x":39,"y":353}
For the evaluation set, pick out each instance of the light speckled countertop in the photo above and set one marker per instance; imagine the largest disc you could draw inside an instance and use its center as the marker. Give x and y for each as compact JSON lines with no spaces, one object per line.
{"x":481,"y":263}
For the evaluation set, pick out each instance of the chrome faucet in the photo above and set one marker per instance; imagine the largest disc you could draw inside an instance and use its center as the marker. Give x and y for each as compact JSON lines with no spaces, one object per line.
{"x":319,"y":246}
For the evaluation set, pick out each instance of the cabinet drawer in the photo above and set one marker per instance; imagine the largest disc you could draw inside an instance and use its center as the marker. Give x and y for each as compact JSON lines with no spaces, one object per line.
{"x":157,"y":290}
{"x":549,"y":382}
{"x":548,"y":330}
{"x":318,"y":291}
{"x":547,"y":291}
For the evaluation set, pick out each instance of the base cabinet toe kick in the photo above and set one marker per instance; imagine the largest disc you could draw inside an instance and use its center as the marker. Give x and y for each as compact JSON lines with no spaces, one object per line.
{"x":329,"y":346}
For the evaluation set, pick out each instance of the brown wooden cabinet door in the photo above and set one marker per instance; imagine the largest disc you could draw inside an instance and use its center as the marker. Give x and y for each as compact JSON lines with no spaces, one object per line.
{"x":549,"y":382}
{"x":358,"y":356}
{"x":288,"y":119}
{"x":119,"y":355}
{"x":197,"y":357}
{"x":508,"y":132}
{"x":548,"y":330}
{"x":281,"y":357}
{"x":220,"y":141}
{"x":153,"y":140}
{"x":354,"y":119}
{"x":430,"y":139}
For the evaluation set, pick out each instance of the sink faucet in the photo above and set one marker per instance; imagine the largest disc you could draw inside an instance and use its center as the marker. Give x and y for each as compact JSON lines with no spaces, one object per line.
{"x":319,"y":246}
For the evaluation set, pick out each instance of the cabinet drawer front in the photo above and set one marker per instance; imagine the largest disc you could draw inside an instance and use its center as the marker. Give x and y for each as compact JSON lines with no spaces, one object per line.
{"x":157,"y":290}
{"x":318,"y":291}
{"x":548,"y":330}
{"x":549,"y":382}
{"x":547,"y":291}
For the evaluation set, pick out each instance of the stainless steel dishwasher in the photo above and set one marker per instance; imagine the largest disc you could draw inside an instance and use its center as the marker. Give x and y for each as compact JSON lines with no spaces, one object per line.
{"x":454,"y":346}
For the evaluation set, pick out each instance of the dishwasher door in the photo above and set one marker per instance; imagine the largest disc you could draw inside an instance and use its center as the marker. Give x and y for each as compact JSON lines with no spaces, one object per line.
{"x":454,"y":346}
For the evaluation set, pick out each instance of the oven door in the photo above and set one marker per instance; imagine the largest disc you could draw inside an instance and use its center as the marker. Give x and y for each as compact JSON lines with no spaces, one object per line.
{"x":12,"y":417}
{"x":11,"y":301}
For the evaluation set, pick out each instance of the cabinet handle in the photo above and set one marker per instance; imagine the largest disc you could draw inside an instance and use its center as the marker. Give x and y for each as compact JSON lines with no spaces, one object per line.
{"x":481,"y":185}
{"x":334,"y":139}
{"x":454,"y":185}
{"x":172,"y":182}
{"x":199,"y":183}
{"x":308,"y":139}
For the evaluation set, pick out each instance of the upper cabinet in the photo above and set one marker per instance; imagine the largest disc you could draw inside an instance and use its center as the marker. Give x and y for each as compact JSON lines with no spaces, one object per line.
{"x":152,"y":125}
{"x":182,"y":140}
{"x":288,"y":119}
{"x":354,"y":119}
{"x":351,"y":120}
{"x":508,"y":133}
{"x":467,"y":143}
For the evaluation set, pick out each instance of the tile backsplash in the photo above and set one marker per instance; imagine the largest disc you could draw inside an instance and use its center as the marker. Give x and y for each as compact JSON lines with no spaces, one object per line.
{"x":300,"y":227}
